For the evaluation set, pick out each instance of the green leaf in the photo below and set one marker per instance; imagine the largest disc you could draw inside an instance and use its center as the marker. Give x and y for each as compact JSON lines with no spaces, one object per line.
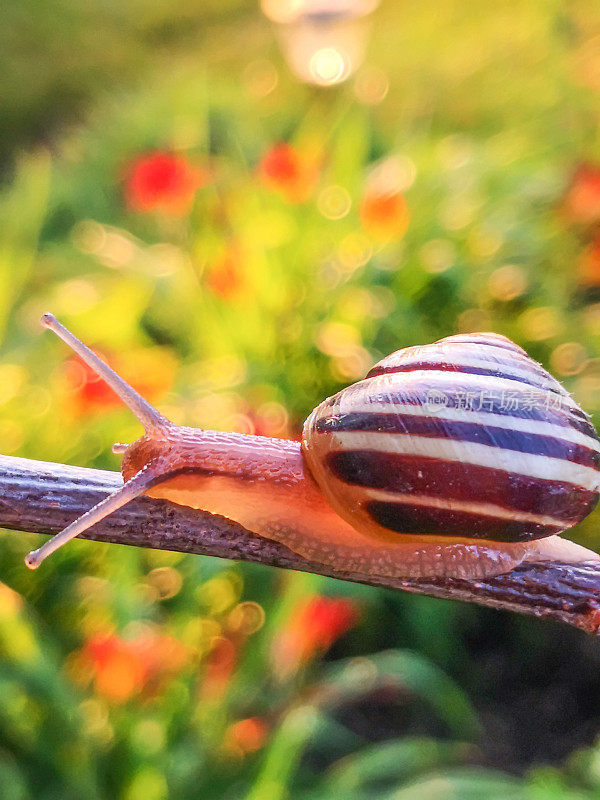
{"x":392,"y":763}
{"x":353,"y":678}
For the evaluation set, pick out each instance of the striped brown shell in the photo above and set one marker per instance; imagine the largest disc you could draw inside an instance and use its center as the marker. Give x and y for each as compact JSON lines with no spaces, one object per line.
{"x":467,"y":437}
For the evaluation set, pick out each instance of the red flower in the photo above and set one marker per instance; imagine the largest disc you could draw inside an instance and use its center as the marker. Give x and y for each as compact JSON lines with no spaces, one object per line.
{"x":283,"y":169}
{"x":312,"y":628}
{"x":150,"y":371}
{"x":123,"y":668}
{"x":581,"y":203}
{"x":90,"y":390}
{"x":384,"y":214}
{"x":162,"y":182}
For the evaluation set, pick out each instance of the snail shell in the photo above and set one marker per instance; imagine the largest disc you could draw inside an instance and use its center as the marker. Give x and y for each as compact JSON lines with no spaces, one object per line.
{"x":467,"y":438}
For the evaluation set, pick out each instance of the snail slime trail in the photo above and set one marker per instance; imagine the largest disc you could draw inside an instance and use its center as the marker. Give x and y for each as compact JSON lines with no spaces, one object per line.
{"x":461,"y":459}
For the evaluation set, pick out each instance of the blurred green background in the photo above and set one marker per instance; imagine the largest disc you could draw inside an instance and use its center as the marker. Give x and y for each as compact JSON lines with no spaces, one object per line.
{"x":241,"y":238}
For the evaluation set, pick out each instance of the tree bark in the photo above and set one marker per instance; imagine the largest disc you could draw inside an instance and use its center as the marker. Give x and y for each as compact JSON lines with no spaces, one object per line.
{"x":44,"y":498}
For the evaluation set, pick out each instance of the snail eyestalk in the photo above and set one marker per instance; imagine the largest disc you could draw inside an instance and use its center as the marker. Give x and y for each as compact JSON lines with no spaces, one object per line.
{"x":150,"y":418}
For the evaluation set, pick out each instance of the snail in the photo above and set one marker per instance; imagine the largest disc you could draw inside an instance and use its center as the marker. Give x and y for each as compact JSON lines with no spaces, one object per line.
{"x":460,"y":459}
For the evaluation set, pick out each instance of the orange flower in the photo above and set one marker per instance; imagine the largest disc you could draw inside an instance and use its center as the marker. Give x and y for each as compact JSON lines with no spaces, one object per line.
{"x":284,"y":170}
{"x":162,"y":182}
{"x":589,"y":265}
{"x":118,"y":671}
{"x":226,"y":275}
{"x":220,"y":664}
{"x":245,"y":736}
{"x":581,"y":203}
{"x":384,"y":214}
{"x":312,"y":628}
{"x":124,"y":668}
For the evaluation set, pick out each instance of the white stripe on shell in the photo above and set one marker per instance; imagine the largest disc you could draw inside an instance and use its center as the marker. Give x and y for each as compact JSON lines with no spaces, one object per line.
{"x":431,"y":355}
{"x":442,"y":380}
{"x":481,"y":455}
{"x":482,"y":509}
{"x":484,"y":418}
{"x":490,"y":339}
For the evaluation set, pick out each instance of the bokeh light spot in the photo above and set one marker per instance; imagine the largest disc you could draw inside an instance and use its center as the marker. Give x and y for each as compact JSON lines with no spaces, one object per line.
{"x":328,"y":66}
{"x":246,"y":618}
{"x":354,"y":251}
{"x":568,"y":358}
{"x":220,"y":593}
{"x":591,"y":319}
{"x":96,"y":720}
{"x":437,"y":255}
{"x":149,"y":736}
{"x":334,"y":202}
{"x":12,"y":379}
{"x":166,"y":580}
{"x":11,"y":435}
{"x":540,"y":323}
{"x":260,"y":77}
{"x":147,"y":784}
{"x":473,"y":320}
{"x":507,"y":282}
{"x":371,"y":85}
{"x":88,"y":236}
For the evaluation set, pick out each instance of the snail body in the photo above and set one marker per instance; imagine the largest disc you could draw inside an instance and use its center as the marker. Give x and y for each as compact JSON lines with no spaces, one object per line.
{"x":457,"y":459}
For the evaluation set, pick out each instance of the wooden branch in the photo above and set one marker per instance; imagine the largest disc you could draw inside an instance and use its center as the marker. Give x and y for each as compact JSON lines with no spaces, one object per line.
{"x":44,"y":498}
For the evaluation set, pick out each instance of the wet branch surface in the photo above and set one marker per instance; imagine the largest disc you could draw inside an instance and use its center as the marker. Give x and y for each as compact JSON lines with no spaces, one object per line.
{"x":44,"y":497}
